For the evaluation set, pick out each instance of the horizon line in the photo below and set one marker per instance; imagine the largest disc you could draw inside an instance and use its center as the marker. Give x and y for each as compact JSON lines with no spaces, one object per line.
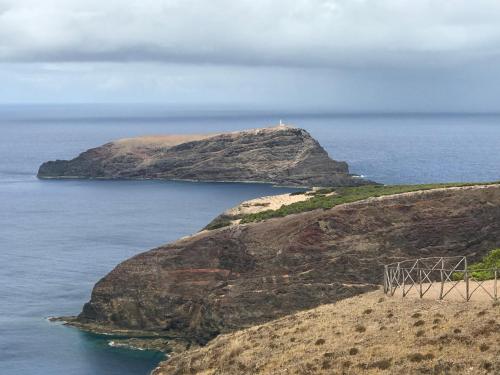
{"x":220,"y":107}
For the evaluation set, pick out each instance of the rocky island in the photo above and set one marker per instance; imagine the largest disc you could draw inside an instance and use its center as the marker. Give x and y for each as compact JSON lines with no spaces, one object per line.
{"x":244,"y":274}
{"x":279,"y":155}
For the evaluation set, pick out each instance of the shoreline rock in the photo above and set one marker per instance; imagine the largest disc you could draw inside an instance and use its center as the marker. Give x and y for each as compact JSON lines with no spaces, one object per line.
{"x":130,"y":339}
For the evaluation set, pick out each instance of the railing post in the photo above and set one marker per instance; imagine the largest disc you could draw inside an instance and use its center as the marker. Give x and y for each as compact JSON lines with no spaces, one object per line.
{"x":385,"y":279}
{"x":399,"y":275}
{"x":442,"y":279}
{"x":495,"y":284}
{"x":466,"y":276}
{"x":390,"y":280}
{"x":403,"y":273}
{"x":420,"y":281}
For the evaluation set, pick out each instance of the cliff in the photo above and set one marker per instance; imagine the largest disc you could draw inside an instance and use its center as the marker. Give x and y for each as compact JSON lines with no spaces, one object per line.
{"x":235,"y":277}
{"x":280,"y":155}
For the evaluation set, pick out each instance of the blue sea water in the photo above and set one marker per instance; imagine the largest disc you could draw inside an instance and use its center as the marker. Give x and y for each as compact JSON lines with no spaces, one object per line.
{"x":57,"y":238}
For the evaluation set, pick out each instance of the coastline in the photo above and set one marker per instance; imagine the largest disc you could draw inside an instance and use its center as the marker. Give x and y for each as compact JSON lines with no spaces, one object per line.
{"x":130,"y":339}
{"x":127,"y":217}
{"x":273,"y":184}
{"x":168,"y":343}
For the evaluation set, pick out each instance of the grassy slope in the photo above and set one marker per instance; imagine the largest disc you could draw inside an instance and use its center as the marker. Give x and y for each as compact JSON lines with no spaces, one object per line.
{"x":370,"y":334}
{"x":320,"y":199}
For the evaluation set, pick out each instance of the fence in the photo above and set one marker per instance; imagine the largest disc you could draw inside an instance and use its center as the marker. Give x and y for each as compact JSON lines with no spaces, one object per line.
{"x":440,"y":277}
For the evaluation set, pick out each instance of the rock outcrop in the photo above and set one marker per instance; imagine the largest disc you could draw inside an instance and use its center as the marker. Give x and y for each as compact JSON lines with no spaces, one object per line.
{"x":226,"y":279}
{"x":280,"y":155}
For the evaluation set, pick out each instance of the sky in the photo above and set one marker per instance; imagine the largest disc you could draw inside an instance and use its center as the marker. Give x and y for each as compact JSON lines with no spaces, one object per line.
{"x":337,"y":55}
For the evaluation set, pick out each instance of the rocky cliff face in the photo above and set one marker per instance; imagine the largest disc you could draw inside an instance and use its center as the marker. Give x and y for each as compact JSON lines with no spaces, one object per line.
{"x":279,"y":155}
{"x":239,"y":276}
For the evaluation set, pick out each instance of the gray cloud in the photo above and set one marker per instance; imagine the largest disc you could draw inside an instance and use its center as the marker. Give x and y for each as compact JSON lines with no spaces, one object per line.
{"x":324,"y":33}
{"x":347,"y":55}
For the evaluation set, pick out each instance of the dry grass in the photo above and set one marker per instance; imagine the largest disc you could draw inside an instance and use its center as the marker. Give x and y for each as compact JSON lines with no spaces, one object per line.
{"x":369,"y":334}
{"x":126,"y":145}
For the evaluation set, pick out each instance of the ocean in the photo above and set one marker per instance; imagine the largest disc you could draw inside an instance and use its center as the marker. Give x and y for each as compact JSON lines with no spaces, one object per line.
{"x":57,"y":238}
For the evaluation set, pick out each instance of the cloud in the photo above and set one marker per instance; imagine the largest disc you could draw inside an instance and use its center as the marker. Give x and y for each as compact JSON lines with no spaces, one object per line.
{"x":301,"y":33}
{"x":345,"y":55}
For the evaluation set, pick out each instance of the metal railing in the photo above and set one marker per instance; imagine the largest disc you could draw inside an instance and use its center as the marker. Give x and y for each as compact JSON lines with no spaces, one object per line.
{"x":447,"y":273}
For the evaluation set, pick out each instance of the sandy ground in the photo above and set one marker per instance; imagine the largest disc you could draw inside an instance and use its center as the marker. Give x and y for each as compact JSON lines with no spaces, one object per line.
{"x":272,"y":202}
{"x":479,"y":291}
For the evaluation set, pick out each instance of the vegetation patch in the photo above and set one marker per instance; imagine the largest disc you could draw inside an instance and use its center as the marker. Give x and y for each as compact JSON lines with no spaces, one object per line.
{"x":484,"y":269}
{"x":319,"y":342}
{"x":326,"y":365}
{"x":323,"y":199}
{"x":219,"y":222}
{"x":353,"y":351}
{"x":382,"y":364}
{"x":360,"y":328}
{"x":257,"y":204}
{"x":418,"y":357}
{"x":484,"y":347}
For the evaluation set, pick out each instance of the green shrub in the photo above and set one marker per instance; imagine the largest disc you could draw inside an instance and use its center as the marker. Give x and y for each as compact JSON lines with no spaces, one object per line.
{"x":218,"y":223}
{"x":322,"y":191}
{"x":259,"y":204}
{"x":484,"y":269}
